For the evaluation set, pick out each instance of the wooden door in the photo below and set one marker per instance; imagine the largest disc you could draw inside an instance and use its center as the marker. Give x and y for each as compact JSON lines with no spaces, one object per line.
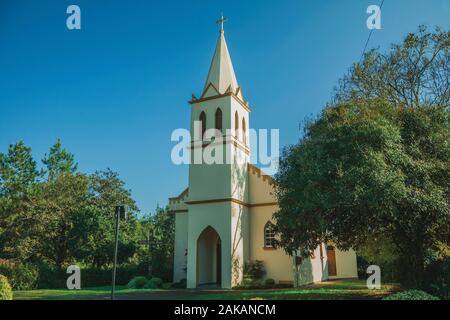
{"x":331,"y":257}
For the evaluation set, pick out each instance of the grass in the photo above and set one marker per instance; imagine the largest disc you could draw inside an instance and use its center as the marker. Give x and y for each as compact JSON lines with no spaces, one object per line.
{"x":333,"y":290}
{"x":87,"y":293}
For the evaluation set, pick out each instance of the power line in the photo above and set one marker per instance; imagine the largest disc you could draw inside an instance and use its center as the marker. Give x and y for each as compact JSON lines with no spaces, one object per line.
{"x":370,"y":34}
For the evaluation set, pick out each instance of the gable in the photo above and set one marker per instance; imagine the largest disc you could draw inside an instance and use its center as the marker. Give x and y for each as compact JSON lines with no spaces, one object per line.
{"x":210,"y":91}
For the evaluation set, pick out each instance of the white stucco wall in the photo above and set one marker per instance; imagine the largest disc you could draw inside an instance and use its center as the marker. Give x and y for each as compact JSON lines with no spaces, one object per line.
{"x":346,"y":266}
{"x":181,"y":241}
{"x":216,"y":215}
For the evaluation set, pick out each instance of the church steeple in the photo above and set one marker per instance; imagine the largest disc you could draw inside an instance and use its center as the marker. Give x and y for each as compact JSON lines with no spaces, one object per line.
{"x":221,"y":73}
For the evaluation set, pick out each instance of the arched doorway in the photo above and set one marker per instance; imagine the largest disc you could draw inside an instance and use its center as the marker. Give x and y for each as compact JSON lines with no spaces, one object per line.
{"x":209,"y":258}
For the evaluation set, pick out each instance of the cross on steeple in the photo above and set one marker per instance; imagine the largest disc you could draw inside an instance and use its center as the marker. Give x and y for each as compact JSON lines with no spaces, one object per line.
{"x":221,"y":21}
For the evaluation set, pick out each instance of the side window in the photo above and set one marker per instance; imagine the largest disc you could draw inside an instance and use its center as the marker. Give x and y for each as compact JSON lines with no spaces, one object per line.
{"x":203,"y":123}
{"x":269,"y":235}
{"x":236,"y":125}
{"x":244,"y":131}
{"x":218,"y":120}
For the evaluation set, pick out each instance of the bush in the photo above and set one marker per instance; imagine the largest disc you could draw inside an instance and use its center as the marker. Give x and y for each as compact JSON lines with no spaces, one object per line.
{"x":154,"y":283}
{"x":411,"y":295}
{"x":269,"y":283}
{"x":21,"y":276}
{"x":182,"y":284}
{"x":137,"y":283}
{"x":55,"y":278}
{"x":437,"y":278}
{"x":254,"y":270}
{"x":5,"y":289}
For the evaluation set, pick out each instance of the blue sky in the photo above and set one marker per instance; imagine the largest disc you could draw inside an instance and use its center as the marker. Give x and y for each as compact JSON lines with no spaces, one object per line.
{"x":114,"y":91}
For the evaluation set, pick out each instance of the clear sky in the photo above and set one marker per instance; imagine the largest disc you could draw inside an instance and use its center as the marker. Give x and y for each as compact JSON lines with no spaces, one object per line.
{"x":115,"y":90}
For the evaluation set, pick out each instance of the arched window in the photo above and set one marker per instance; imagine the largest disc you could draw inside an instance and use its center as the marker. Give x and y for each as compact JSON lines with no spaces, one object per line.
{"x":203,"y":123}
{"x":244,"y":131}
{"x":218,"y":119}
{"x":269,"y":235}
{"x":236,"y":125}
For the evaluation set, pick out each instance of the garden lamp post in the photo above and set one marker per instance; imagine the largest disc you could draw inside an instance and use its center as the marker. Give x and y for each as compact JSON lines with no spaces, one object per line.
{"x":120,"y":213}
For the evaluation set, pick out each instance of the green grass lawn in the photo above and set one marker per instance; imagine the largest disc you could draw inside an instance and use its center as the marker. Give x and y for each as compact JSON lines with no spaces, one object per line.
{"x":333,"y":290}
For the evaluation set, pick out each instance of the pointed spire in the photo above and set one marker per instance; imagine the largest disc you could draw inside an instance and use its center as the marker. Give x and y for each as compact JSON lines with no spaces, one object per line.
{"x":221,"y":73}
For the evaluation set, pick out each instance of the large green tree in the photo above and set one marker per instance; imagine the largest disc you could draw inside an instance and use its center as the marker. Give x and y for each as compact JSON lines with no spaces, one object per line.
{"x":92,"y":235}
{"x":66,"y":218}
{"x":18,"y":179}
{"x":52,"y":209}
{"x":376,"y":163}
{"x":367,"y":169}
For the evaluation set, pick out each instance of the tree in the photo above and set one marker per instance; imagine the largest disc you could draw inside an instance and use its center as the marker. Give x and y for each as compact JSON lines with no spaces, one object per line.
{"x":367,"y":169}
{"x":375,"y":164}
{"x":65,"y":219}
{"x":59,"y":162}
{"x":17,"y":171}
{"x":412,"y":74}
{"x":18,"y":178}
{"x":52,"y":210}
{"x":92,"y":235}
{"x":162,"y":227}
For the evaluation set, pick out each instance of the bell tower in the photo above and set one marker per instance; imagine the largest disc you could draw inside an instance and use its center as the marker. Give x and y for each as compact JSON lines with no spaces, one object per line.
{"x":218,"y":177}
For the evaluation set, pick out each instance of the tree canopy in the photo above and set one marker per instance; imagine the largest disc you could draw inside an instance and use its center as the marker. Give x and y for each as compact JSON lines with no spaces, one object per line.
{"x":64,"y":217}
{"x":375,"y":163}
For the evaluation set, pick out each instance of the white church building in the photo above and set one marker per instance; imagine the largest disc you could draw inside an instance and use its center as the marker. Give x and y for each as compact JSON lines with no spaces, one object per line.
{"x":223,"y":219}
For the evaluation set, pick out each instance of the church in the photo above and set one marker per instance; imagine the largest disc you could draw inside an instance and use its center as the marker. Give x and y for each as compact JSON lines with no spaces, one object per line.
{"x":223,"y":219}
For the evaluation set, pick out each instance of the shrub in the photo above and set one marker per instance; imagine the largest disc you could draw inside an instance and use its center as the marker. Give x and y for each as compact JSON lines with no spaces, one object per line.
{"x":254,"y":270}
{"x":21,"y":276}
{"x":182,"y":284}
{"x":253,"y":273}
{"x":137,"y":283}
{"x":55,"y":278}
{"x":154,"y":283}
{"x":437,"y":278}
{"x":269,"y":283}
{"x":5,"y":289}
{"x":411,"y":295}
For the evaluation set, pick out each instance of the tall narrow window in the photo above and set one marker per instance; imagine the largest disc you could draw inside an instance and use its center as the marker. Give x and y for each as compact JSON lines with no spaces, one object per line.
{"x":269,"y":235}
{"x":219,"y":119}
{"x":244,"y":131}
{"x":203,"y":124}
{"x":236,"y":125}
